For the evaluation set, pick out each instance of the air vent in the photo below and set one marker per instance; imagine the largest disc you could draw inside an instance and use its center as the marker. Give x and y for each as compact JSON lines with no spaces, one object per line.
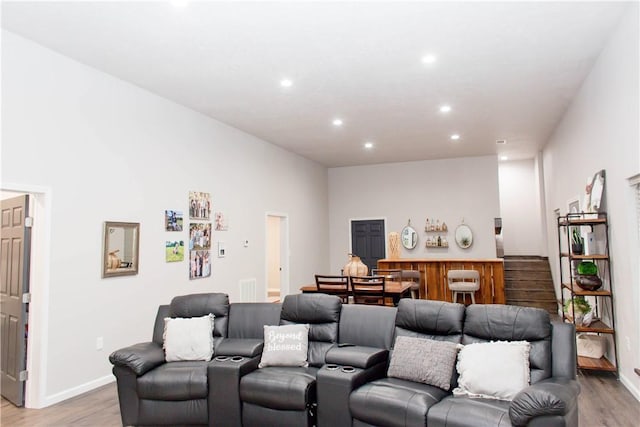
{"x":248,"y":290}
{"x":501,"y":141}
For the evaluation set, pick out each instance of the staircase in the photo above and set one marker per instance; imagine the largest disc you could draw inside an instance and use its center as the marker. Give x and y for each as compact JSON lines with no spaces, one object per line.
{"x":528,"y":283}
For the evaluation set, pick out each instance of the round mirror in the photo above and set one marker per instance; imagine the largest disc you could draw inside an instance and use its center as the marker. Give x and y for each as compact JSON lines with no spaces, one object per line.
{"x":464,"y":236}
{"x":409,"y":237}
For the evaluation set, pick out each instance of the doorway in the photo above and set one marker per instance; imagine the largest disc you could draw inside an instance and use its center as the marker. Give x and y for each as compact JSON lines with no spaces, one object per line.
{"x":368,"y":240}
{"x":277,"y":256}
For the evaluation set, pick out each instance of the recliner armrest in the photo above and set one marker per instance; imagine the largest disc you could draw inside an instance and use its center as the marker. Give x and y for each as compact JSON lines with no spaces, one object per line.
{"x":240,"y":347}
{"x":140,"y":358}
{"x":553,"y":396}
{"x":357,"y":356}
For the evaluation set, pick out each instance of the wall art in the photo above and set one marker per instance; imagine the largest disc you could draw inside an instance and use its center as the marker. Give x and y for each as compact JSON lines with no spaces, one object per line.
{"x":173,"y":220}
{"x":199,"y":235}
{"x":199,"y":205}
{"x":199,"y":264}
{"x":121,"y":241}
{"x":221,"y":222}
{"x":174,"y":250}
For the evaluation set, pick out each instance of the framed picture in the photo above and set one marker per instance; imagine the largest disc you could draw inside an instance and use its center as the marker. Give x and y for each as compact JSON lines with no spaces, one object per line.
{"x":573,"y":205}
{"x":173,"y":220}
{"x":199,"y":205}
{"x":199,"y":264}
{"x":199,"y":235}
{"x":121,"y":241}
{"x":174,"y":250}
{"x":221,"y":222}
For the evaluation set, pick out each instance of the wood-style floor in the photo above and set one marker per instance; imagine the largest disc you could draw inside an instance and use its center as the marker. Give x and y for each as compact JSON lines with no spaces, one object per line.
{"x":604,"y":402}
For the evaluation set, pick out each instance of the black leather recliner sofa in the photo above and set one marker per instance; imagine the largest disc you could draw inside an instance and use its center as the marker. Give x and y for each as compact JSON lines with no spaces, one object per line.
{"x":346,"y":382}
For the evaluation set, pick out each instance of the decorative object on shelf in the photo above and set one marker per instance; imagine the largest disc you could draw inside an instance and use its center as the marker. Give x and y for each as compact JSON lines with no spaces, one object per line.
{"x":577,"y":242}
{"x":409,"y":236}
{"x":594,"y":191}
{"x":394,"y":245}
{"x":578,"y":309}
{"x":355,"y":267}
{"x":121,"y":241}
{"x":587,"y":276}
{"x":436,"y":242}
{"x":435,"y":225}
{"x":464,"y":236}
{"x":589,"y":345}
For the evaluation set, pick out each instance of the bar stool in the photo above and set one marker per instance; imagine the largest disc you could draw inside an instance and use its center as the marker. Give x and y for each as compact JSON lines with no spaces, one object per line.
{"x":463,"y":282}
{"x":412,"y":276}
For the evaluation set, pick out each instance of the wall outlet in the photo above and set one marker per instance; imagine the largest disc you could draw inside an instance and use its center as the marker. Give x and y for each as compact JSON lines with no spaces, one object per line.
{"x":99,"y":343}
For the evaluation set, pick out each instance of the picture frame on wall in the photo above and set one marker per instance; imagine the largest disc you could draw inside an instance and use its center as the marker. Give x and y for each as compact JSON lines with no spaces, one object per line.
{"x":121,"y":242}
{"x":200,"y":236}
{"x":220,"y":222}
{"x":173,"y":220}
{"x":199,"y":205}
{"x":199,"y":264}
{"x":174,"y":250}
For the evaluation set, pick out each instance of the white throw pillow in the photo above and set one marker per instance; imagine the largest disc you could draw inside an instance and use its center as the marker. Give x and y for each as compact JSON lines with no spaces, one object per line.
{"x":285,"y":345}
{"x":494,"y":370}
{"x":188,"y":338}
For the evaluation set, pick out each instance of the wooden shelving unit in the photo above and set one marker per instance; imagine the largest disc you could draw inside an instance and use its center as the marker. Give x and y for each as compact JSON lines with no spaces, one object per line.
{"x":603,"y":297}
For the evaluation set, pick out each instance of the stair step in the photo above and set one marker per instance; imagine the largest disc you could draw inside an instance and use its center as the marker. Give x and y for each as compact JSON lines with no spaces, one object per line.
{"x":528,"y":284}
{"x":526,"y":266}
{"x":535,"y":295}
{"x":528,"y":274}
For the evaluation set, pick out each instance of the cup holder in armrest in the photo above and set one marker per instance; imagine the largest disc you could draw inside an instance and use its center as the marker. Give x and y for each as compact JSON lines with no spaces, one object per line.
{"x":332,"y":367}
{"x":237,"y":359}
{"x":348,"y":369}
{"x":221,"y":358}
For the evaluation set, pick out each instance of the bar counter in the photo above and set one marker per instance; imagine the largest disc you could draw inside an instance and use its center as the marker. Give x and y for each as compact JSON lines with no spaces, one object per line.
{"x":433,"y":274}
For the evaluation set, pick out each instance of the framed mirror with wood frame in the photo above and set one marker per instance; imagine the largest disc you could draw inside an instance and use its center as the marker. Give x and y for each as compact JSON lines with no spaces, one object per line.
{"x":121,"y":242}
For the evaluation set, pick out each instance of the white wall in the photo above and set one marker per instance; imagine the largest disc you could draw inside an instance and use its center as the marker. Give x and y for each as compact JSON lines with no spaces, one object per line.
{"x":600,"y":131}
{"x":448,"y":190}
{"x":519,"y":207}
{"x":104,"y":149}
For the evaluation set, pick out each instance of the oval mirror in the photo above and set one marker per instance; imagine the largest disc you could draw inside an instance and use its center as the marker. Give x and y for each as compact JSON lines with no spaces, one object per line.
{"x":464,"y":236}
{"x":409,"y":237}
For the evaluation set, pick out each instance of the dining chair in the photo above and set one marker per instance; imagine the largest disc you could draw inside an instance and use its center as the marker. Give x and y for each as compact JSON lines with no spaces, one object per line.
{"x":413,"y":276}
{"x":391,"y":274}
{"x":333,"y":285}
{"x":463,"y":282}
{"x":368,"y":289}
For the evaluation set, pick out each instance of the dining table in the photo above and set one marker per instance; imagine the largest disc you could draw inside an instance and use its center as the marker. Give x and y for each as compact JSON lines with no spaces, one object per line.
{"x":395,"y":290}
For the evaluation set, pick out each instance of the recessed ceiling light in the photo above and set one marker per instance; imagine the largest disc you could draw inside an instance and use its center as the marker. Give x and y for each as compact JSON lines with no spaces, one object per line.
{"x":337,"y":122}
{"x":368,"y":145}
{"x":286,"y":83}
{"x":429,"y":59}
{"x":501,"y":141}
{"x":504,"y":158}
{"x":455,"y":137}
{"x":445,"y":108}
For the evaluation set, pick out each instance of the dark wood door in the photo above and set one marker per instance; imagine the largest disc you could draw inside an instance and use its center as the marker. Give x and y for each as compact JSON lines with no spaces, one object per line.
{"x":14,"y":283}
{"x":367,"y":241}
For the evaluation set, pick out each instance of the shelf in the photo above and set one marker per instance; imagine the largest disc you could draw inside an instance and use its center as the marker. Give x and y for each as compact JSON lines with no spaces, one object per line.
{"x":590,"y":363}
{"x":594,"y":256}
{"x":593,"y":221}
{"x":577,"y":290}
{"x":597,"y":326}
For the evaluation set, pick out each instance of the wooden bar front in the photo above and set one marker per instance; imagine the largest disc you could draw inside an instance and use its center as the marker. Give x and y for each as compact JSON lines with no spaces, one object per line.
{"x":433,"y":274}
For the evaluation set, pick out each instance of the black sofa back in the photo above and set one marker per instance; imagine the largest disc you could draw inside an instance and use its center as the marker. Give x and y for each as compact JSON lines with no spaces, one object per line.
{"x":510,"y":323}
{"x":367,"y":325}
{"x":435,"y":320}
{"x":322,"y":313}
{"x":247,"y":320}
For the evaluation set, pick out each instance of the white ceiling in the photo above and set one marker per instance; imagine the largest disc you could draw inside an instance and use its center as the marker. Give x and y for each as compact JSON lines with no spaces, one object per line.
{"x":509,"y":70}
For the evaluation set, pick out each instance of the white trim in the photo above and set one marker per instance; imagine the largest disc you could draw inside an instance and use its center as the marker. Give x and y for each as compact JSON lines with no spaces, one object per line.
{"x":78,"y":390}
{"x":38,"y":338}
{"x":629,"y":385}
{"x":634,"y":180}
{"x":285,"y":254}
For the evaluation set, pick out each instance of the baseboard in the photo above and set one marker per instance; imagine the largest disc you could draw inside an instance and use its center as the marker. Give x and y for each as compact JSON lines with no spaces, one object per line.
{"x":75,"y":391}
{"x":629,"y":385}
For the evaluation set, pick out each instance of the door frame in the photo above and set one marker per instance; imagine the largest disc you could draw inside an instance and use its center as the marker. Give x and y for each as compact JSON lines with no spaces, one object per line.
{"x":372,"y":218}
{"x":37,"y":339}
{"x":285,"y":254}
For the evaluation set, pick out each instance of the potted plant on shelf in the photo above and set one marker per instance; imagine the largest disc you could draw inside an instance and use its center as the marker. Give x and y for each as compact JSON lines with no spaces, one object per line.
{"x":579,"y":309}
{"x":577,"y":242}
{"x":587,"y":277}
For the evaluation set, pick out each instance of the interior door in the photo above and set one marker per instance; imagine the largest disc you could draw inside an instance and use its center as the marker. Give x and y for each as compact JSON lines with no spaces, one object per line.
{"x":367,"y":241}
{"x":14,"y":283}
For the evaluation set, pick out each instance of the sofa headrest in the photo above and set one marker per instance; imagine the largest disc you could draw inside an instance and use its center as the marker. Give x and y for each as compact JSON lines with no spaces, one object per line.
{"x":322,"y":313}
{"x":430,"y":317}
{"x":507,"y":322}
{"x":196,"y":305}
{"x":311,"y":308}
{"x":367,"y":325}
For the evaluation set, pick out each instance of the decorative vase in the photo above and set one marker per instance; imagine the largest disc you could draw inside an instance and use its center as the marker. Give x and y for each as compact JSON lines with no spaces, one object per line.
{"x":394,"y":245}
{"x":577,"y":249}
{"x":355,"y":267}
{"x":588,"y":282}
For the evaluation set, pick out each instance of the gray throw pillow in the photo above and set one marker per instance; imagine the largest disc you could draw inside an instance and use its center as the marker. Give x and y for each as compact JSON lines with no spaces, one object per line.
{"x":424,"y":361}
{"x":285,"y":345}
